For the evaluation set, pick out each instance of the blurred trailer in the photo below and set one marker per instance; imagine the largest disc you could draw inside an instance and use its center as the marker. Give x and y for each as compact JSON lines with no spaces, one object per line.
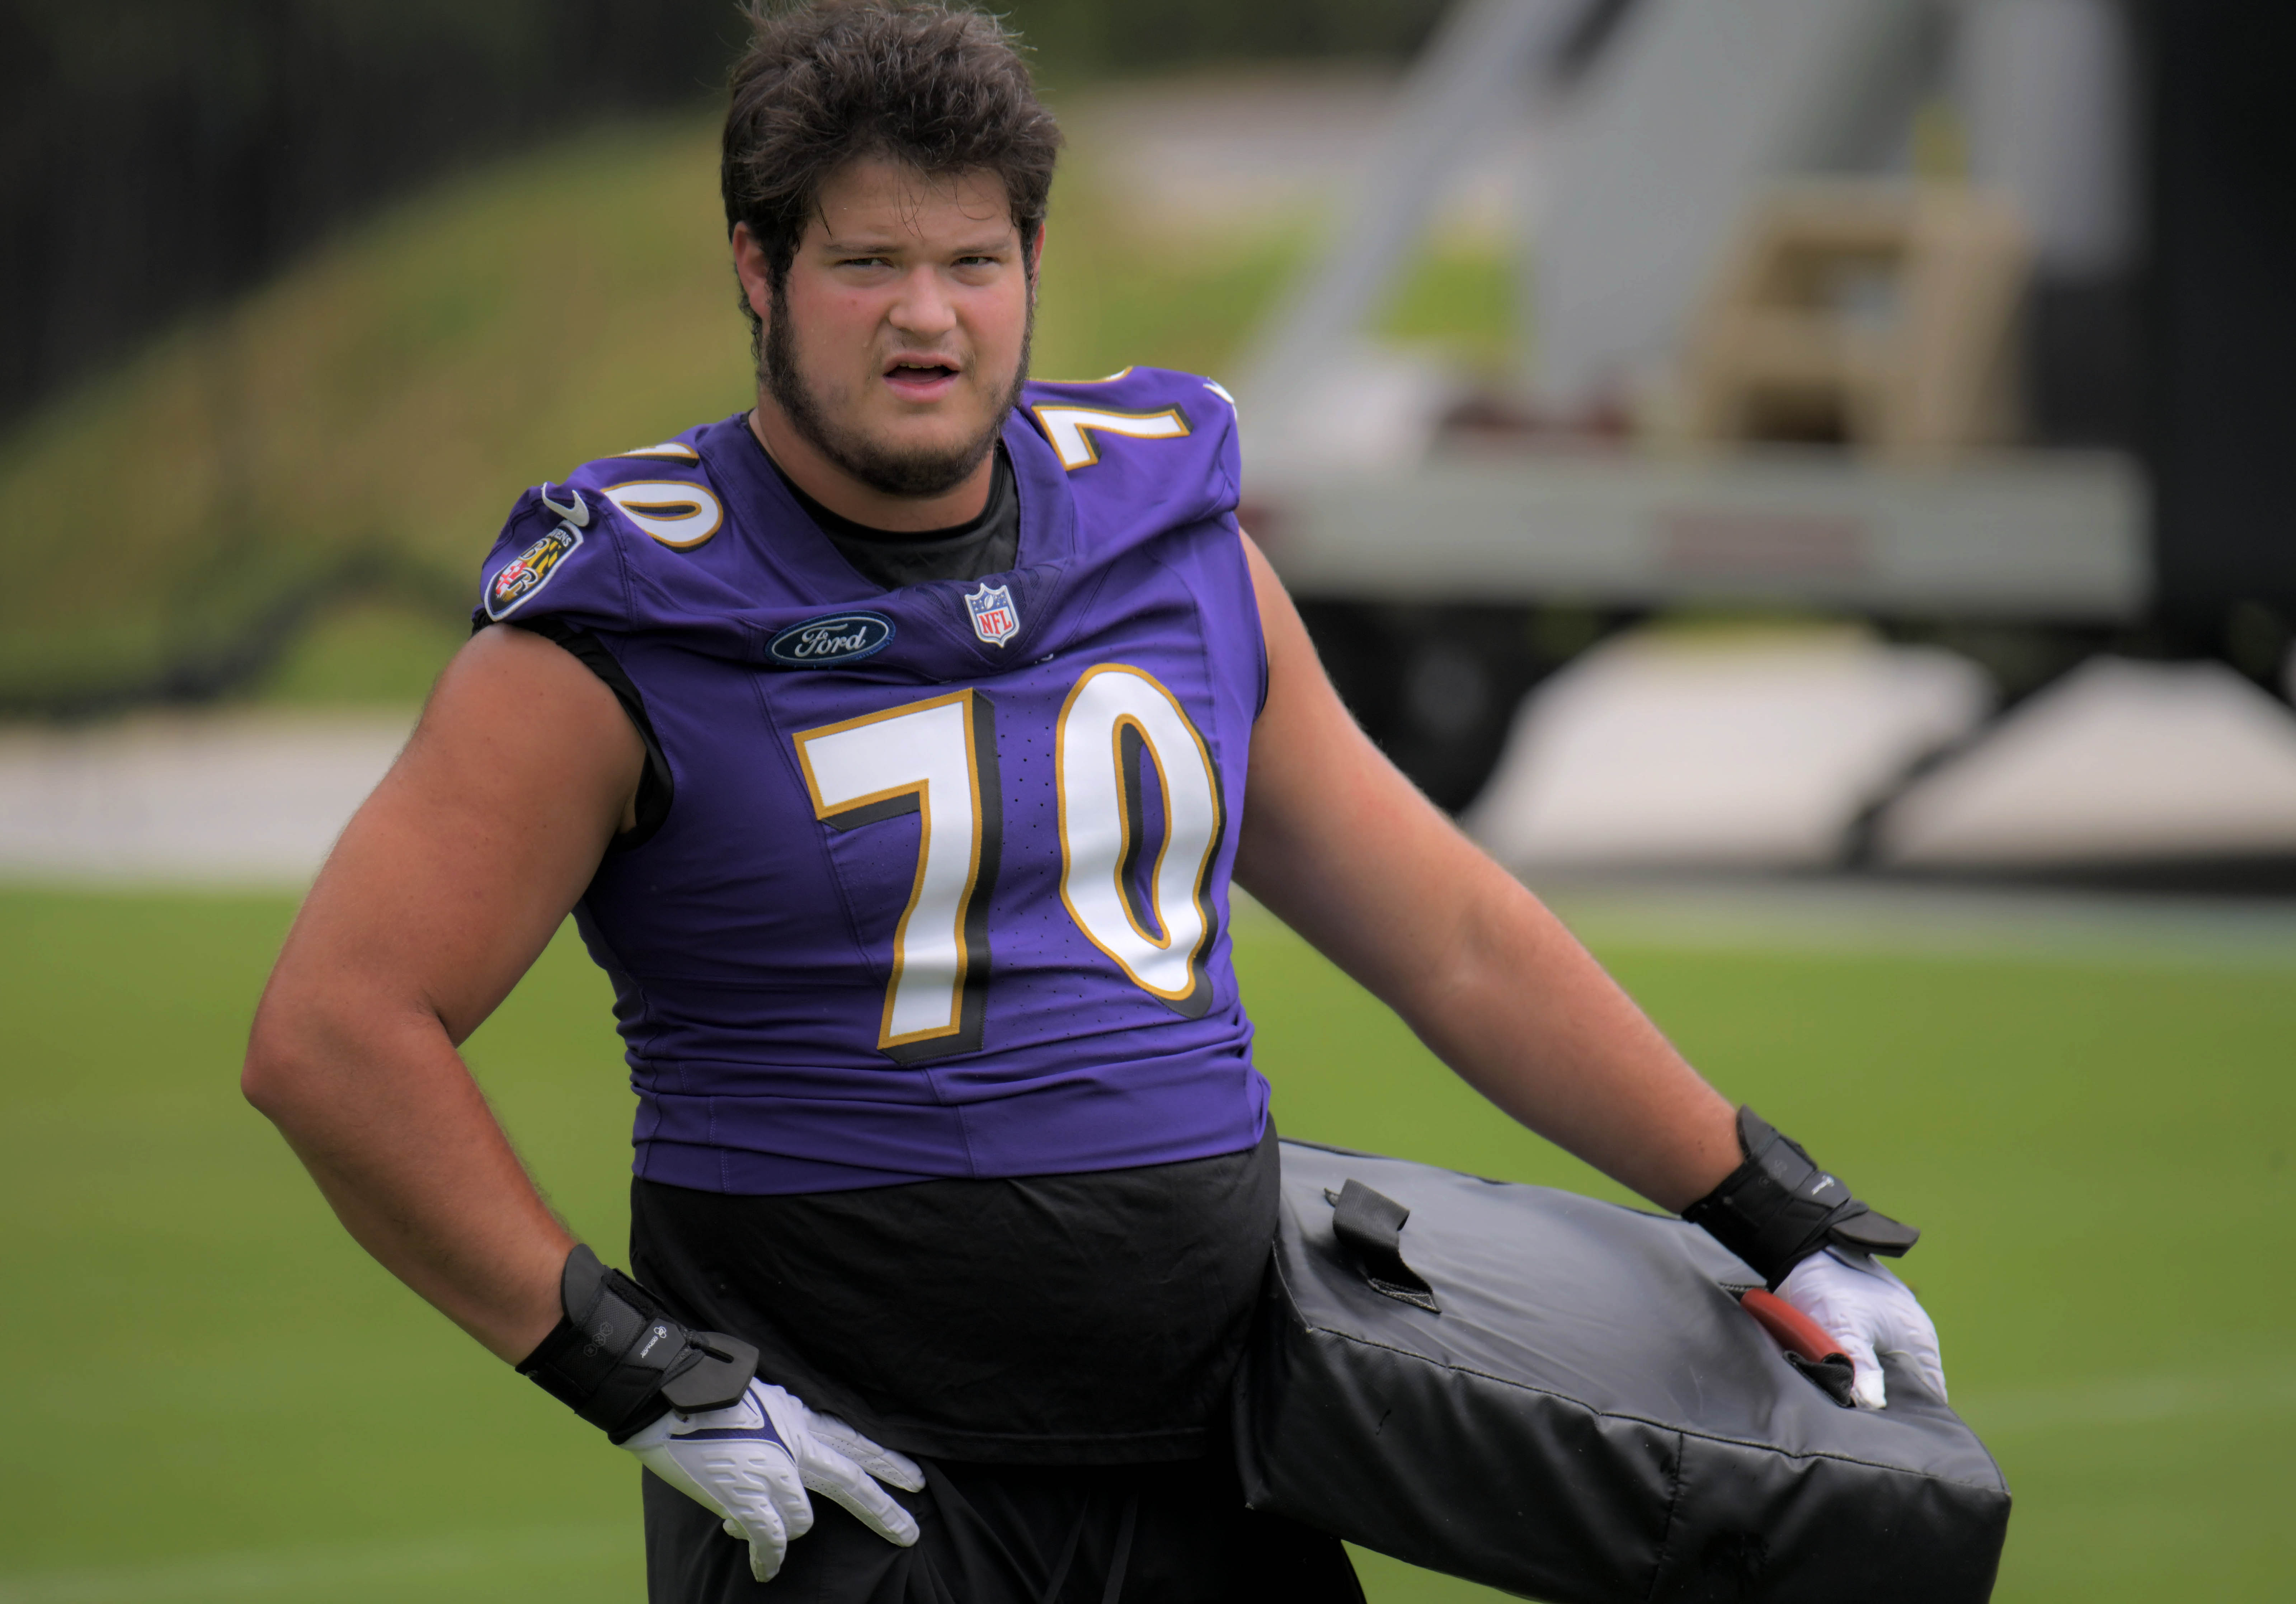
{"x":2030,"y":414}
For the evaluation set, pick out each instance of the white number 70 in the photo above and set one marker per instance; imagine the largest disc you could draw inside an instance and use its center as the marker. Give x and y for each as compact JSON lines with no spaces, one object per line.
{"x":937,"y":759}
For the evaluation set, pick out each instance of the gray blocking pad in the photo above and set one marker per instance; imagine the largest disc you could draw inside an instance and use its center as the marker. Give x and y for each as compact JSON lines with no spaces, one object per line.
{"x":1586,"y":1416}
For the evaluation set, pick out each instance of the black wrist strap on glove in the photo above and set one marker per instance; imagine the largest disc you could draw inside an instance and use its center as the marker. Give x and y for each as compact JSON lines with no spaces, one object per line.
{"x":1778,"y":1207}
{"x":620,"y":1362}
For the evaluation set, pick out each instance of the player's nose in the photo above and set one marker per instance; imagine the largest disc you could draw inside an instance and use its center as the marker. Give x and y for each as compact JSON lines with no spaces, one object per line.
{"x":923,"y":307}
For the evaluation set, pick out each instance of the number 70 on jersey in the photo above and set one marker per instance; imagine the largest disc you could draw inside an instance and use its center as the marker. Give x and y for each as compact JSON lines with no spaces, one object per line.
{"x":937,"y":759}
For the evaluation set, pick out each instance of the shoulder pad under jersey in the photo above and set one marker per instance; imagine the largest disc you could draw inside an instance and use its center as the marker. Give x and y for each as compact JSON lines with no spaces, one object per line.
{"x":564,"y":548}
{"x":1149,"y":433}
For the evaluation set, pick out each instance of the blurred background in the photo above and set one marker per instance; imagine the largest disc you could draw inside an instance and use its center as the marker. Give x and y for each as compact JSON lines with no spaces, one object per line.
{"x":1802,"y":480}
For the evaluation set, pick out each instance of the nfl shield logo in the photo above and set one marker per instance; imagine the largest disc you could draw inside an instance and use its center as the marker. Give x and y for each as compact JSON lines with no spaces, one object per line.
{"x":995,"y":618}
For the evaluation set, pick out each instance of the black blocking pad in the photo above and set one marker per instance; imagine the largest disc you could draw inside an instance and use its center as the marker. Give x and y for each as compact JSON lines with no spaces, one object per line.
{"x":1590,"y":1417}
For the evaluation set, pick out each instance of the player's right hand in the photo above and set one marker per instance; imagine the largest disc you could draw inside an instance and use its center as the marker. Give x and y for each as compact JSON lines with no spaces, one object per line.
{"x":752,"y":1463}
{"x":1869,"y":1312}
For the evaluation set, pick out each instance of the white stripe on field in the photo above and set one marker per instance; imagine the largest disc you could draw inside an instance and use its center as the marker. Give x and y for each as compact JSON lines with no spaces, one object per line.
{"x":2125,"y":1401}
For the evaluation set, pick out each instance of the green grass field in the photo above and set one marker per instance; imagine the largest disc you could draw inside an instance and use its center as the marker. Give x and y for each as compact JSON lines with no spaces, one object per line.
{"x":217,"y":1397}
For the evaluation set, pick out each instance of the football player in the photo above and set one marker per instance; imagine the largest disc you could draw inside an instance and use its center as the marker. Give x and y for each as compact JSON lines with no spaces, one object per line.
{"x":895,"y":743}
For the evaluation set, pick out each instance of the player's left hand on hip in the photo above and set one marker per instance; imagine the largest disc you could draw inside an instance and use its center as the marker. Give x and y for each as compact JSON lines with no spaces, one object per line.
{"x":1869,"y":1312}
{"x":753,"y":1463}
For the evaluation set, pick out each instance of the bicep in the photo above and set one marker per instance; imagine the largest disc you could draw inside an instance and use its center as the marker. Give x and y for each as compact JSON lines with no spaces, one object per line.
{"x":454,"y":874}
{"x":1335,"y":840}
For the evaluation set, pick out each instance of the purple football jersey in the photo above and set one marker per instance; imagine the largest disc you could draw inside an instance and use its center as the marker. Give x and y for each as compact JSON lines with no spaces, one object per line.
{"x":943,"y":888}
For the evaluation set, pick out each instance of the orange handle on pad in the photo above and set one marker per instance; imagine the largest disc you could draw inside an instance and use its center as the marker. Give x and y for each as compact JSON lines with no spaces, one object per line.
{"x":1794,"y":1331}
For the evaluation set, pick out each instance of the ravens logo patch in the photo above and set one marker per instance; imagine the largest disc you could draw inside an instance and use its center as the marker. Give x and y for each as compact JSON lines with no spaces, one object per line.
{"x":530,"y":570}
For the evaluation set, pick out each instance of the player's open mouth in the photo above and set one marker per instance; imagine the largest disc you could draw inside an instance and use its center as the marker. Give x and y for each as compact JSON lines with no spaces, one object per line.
{"x":921,"y":380}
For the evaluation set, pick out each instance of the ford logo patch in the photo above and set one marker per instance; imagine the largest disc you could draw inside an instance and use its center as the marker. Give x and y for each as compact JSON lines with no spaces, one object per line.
{"x":839,"y":638}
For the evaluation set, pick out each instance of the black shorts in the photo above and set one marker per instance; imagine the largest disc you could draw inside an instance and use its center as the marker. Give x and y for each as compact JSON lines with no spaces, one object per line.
{"x":1174,"y":1534}
{"x":1032,"y":1320}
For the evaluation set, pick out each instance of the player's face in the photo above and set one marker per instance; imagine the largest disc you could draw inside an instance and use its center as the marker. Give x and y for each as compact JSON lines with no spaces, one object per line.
{"x":899,"y":342}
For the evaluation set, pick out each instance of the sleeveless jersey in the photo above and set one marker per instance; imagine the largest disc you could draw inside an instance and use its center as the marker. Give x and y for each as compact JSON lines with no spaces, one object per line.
{"x":942,"y":887}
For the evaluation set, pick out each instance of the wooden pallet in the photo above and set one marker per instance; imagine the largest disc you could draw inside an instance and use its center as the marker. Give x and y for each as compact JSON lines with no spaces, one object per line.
{"x":1881,"y":316}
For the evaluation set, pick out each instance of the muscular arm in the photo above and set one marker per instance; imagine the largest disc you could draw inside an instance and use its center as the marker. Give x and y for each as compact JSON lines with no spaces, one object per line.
{"x":443,"y":890}
{"x":1347,"y":852}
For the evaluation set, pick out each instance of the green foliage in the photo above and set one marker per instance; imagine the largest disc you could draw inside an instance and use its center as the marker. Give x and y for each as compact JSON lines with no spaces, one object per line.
{"x":1112,"y":298}
{"x":381,"y":407}
{"x":364,"y":654}
{"x":1460,"y":298}
{"x":232,"y":1402}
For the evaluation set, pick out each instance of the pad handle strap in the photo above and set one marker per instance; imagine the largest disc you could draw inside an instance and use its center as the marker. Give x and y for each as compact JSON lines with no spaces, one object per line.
{"x":1808,"y":1346}
{"x":1369,"y":1225}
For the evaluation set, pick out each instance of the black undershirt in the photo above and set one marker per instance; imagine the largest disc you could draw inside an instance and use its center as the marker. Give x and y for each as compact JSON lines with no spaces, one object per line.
{"x":989,"y":543}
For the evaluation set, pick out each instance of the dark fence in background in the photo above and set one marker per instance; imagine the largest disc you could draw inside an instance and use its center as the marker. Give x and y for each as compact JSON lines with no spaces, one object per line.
{"x":157,"y":156}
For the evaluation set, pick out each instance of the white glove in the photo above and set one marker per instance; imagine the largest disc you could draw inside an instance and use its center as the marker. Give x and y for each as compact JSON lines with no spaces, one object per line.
{"x":752,"y":1463}
{"x":1868,"y":1311}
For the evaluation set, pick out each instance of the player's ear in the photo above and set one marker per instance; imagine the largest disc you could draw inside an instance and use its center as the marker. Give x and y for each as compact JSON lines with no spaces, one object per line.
{"x":749,"y":266}
{"x":1036,"y":260}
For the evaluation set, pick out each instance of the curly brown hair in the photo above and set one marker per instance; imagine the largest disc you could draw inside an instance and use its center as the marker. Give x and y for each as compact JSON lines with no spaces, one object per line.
{"x":941,"y":87}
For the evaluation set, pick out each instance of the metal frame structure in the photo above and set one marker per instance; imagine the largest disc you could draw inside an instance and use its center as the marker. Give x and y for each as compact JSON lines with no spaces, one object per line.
{"x":1445,"y":573}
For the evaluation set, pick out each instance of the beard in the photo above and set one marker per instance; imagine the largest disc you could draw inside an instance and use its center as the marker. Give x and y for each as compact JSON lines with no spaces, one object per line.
{"x":889,"y":469}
